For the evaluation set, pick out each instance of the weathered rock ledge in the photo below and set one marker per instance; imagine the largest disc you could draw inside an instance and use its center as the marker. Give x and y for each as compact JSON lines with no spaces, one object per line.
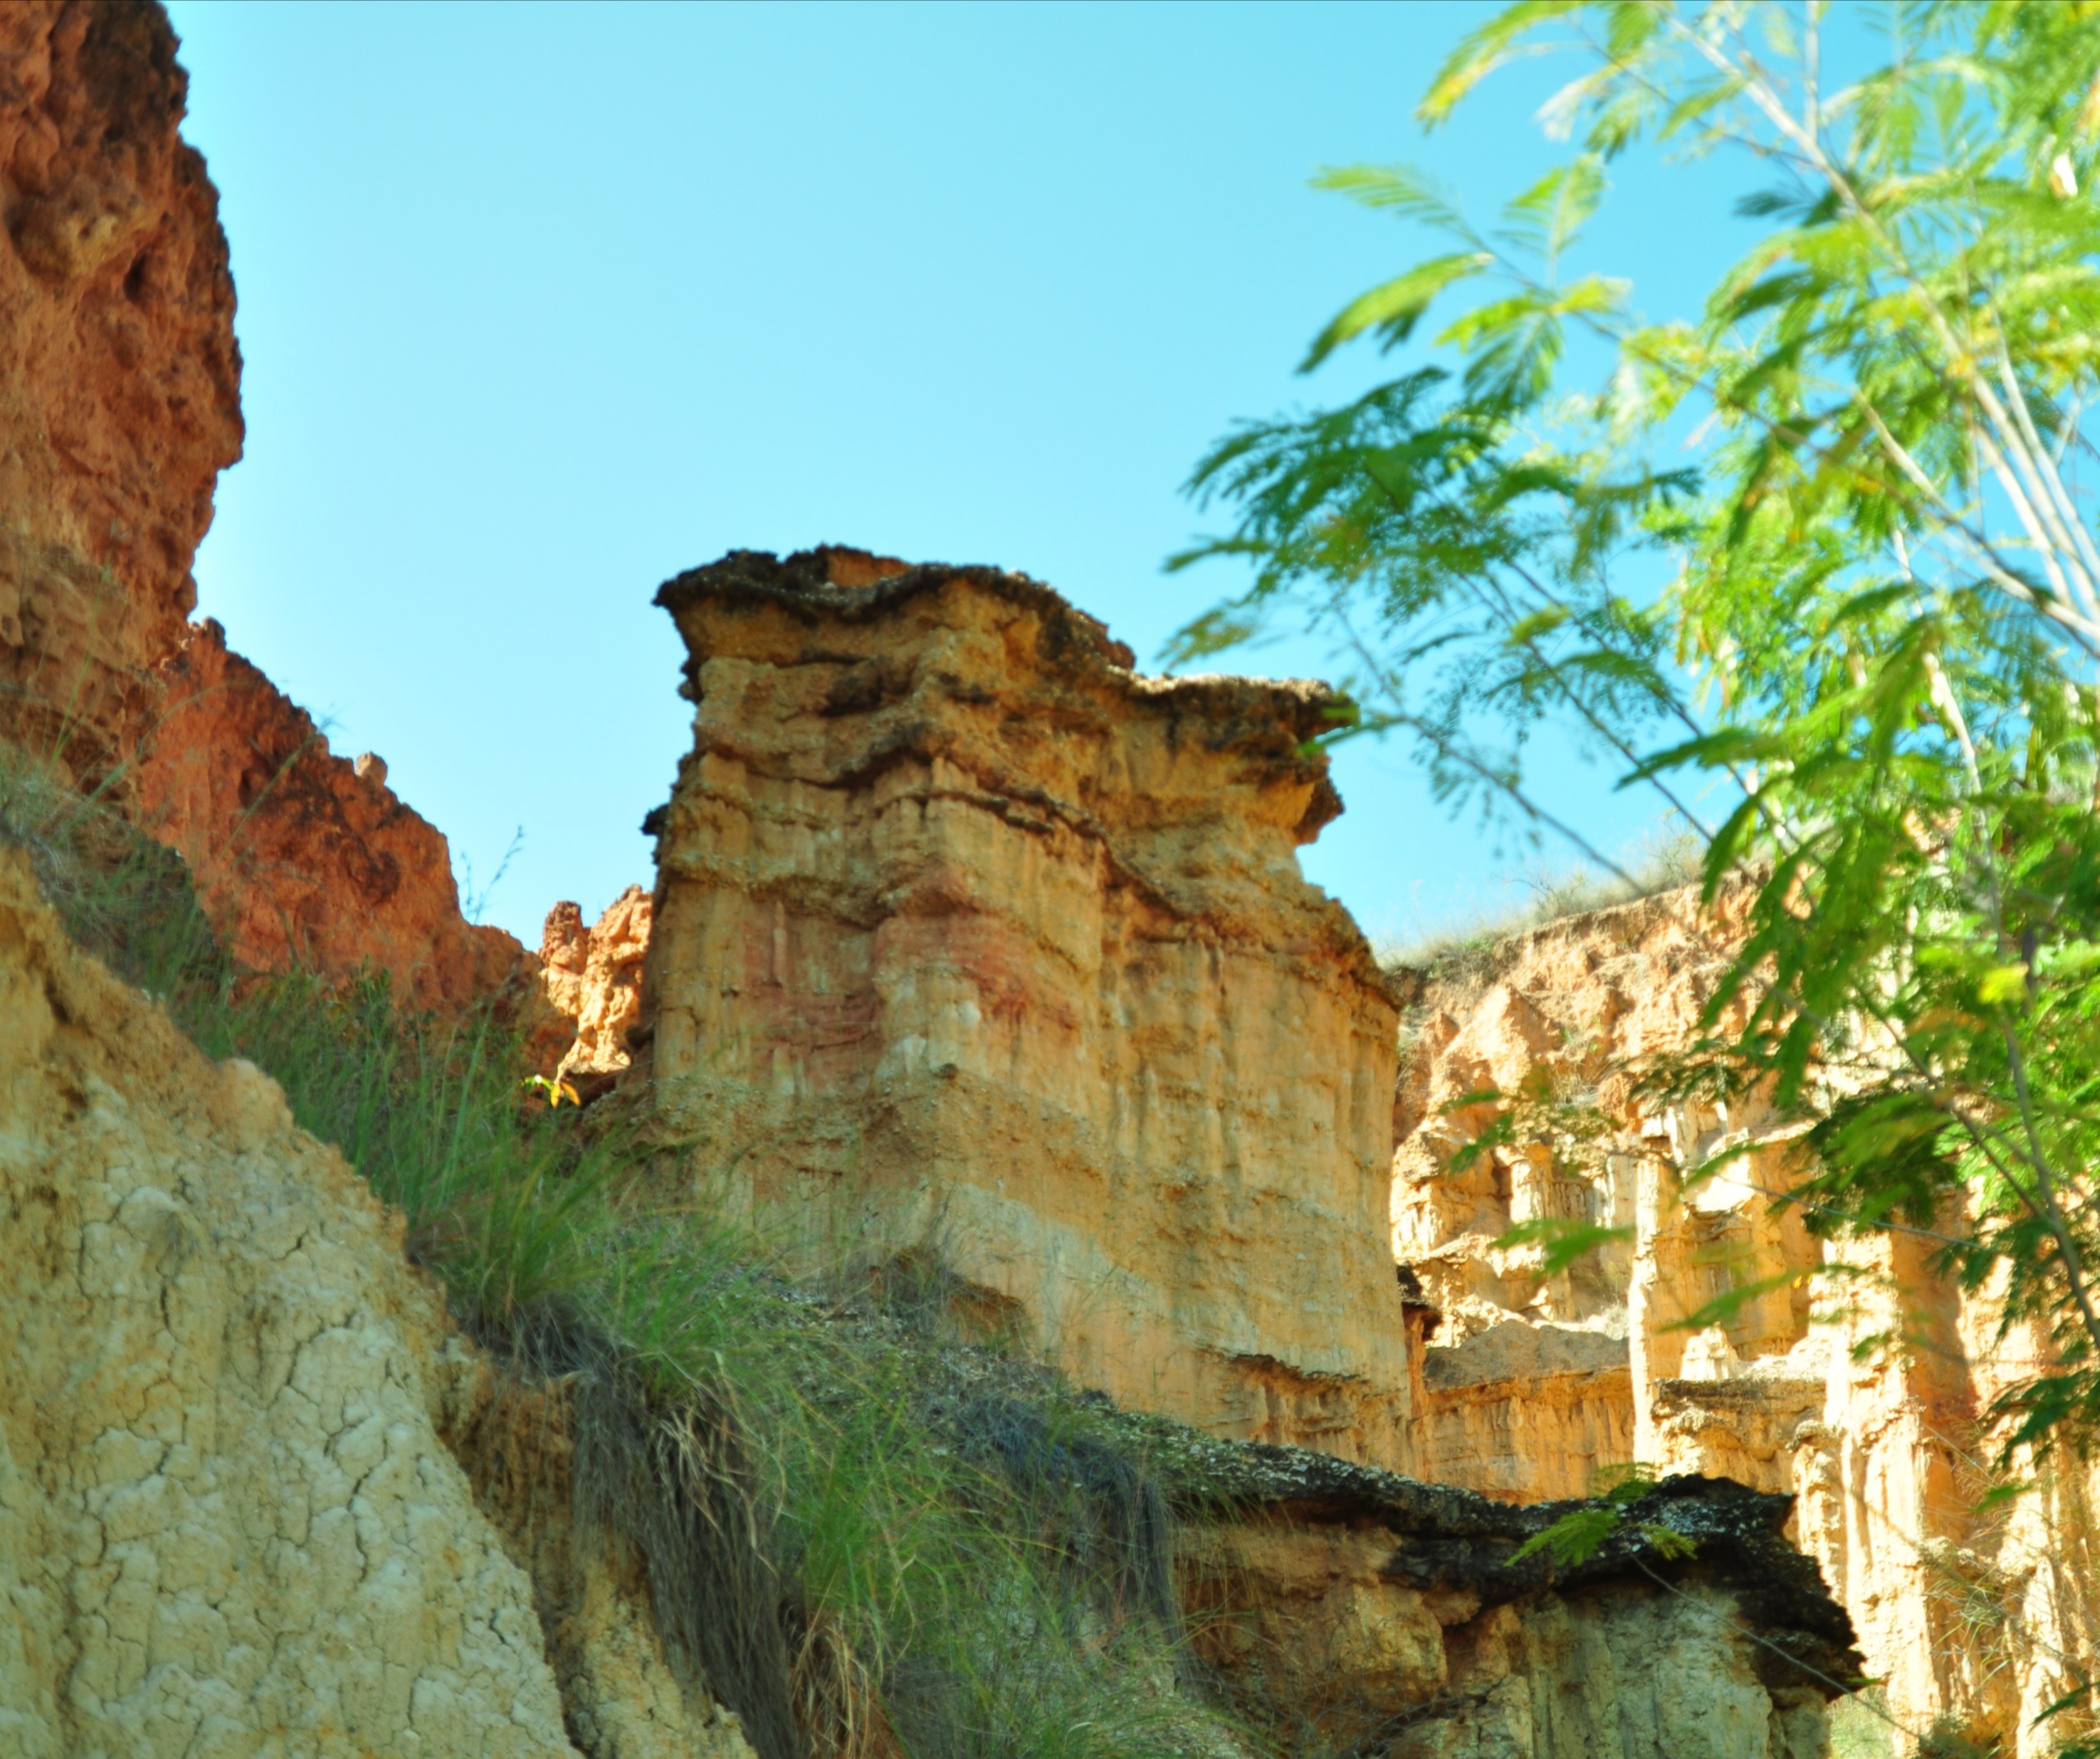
{"x":1394,"y":1607}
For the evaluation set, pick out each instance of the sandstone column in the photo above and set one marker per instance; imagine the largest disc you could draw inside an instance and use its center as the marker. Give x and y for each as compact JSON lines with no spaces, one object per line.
{"x":975,"y":949}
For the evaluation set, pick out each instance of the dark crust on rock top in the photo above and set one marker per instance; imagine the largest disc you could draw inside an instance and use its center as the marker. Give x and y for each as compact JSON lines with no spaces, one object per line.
{"x":801,"y":584}
{"x":1447,"y":1538}
{"x":1459,"y":1539}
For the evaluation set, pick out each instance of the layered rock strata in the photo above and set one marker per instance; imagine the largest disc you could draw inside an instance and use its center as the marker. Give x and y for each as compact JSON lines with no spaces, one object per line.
{"x":1976,"y":1621}
{"x":234,"y":1518}
{"x":1349,"y":1610}
{"x":971,"y":940}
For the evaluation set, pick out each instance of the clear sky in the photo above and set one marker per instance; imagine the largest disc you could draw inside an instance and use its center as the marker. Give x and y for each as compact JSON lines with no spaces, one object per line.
{"x":542,"y":304}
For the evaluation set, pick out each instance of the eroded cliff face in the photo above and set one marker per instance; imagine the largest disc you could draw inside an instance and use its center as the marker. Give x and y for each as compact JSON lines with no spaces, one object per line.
{"x":120,"y":379}
{"x":1369,"y":1613}
{"x":228,"y":1523}
{"x":1531,"y":1381}
{"x":119,"y":404}
{"x":970,"y":940}
{"x":302,"y":859}
{"x":1977,"y":1622}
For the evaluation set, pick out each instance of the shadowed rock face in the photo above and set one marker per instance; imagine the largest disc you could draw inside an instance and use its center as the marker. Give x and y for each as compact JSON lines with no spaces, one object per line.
{"x":971,"y":939}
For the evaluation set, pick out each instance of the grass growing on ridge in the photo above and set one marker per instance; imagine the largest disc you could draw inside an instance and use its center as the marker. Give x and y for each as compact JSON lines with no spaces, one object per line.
{"x":947,"y":1577}
{"x":1662,"y":865}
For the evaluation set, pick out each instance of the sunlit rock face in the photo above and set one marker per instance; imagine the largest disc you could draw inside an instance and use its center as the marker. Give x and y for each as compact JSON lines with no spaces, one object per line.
{"x":1532,"y":1385}
{"x":227,"y":1522}
{"x":119,"y":404}
{"x":119,"y":377}
{"x":302,"y":858}
{"x":593,"y":978}
{"x":973,"y":944}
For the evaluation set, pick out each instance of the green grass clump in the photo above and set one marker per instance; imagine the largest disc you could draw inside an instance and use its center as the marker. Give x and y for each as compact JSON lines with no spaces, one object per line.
{"x":857,"y":1552}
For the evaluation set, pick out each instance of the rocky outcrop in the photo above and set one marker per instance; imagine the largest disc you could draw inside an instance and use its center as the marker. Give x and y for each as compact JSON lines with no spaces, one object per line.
{"x":302,"y":858}
{"x":593,"y":980}
{"x":1531,"y":1378}
{"x":233,"y":1518}
{"x":1976,"y":1621}
{"x":226,"y":1522}
{"x":119,"y":404}
{"x":120,"y":378}
{"x":1349,"y":1611}
{"x":971,"y":939}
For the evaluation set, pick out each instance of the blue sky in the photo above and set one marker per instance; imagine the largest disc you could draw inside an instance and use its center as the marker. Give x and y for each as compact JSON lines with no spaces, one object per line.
{"x":540,"y":305}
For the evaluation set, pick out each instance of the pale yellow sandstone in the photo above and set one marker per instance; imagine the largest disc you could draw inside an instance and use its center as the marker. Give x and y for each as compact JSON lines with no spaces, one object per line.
{"x":228,"y":1525}
{"x":593,"y":978}
{"x":1977,"y":1622}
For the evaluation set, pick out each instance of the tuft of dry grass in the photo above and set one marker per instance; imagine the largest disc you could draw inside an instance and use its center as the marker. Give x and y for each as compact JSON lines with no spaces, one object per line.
{"x":1446,"y":949}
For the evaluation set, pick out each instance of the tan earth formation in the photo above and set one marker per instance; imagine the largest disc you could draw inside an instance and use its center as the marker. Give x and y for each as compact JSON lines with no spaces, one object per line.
{"x":593,"y":978}
{"x":968,"y":942}
{"x":1379,"y":1610}
{"x":257,"y":1498}
{"x":229,"y":1522}
{"x":1976,"y":1621}
{"x":971,"y":941}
